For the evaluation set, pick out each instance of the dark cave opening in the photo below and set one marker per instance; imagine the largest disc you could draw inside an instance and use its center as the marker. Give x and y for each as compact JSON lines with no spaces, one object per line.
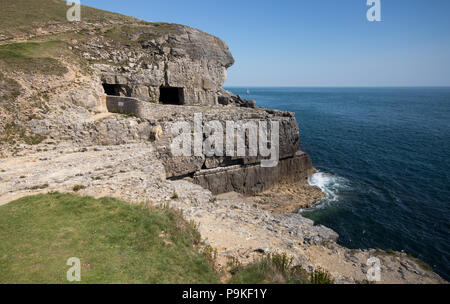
{"x":171,"y":95}
{"x":112,"y":89}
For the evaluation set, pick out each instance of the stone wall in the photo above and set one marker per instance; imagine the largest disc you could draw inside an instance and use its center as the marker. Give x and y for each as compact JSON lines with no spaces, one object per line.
{"x":125,"y":105}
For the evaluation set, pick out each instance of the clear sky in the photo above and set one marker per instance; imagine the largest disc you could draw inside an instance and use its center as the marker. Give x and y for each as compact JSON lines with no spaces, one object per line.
{"x":316,"y":42}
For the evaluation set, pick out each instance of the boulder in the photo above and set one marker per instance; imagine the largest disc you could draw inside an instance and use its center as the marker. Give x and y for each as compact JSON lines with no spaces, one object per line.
{"x":250,"y":104}
{"x":224,"y":100}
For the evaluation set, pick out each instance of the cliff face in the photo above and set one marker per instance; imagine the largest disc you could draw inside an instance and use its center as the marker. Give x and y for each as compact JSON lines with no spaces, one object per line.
{"x":150,"y":61}
{"x":220,"y":174}
{"x":72,"y":77}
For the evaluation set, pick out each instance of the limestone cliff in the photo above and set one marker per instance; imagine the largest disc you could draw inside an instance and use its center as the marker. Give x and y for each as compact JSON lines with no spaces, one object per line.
{"x":148,"y":61}
{"x":64,"y":82}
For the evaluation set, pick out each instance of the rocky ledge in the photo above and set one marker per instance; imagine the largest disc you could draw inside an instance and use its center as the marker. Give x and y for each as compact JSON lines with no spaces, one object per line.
{"x":220,"y":174}
{"x":233,"y":224}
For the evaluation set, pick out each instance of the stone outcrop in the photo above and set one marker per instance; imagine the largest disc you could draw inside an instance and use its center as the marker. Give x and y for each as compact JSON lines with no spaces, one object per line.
{"x":252,"y":179}
{"x":154,"y":74}
{"x":225,"y":99}
{"x":190,"y":65}
{"x":219,"y":174}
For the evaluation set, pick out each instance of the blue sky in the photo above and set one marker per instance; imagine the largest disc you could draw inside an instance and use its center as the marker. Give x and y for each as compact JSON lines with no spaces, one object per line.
{"x":316,"y":42}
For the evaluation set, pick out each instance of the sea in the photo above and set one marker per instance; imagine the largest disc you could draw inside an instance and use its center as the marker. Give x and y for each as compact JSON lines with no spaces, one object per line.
{"x":383,"y":158}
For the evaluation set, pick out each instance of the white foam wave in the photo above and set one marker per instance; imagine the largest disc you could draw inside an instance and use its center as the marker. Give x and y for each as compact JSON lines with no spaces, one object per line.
{"x":331,"y":185}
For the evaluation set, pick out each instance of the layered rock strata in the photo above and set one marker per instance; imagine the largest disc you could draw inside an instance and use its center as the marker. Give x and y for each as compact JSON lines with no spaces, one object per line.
{"x":220,"y":174}
{"x":170,"y":63}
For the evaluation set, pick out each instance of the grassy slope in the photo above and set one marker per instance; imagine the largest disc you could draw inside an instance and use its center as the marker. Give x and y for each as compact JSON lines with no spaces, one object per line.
{"x":24,"y":16}
{"x":115,"y":241}
{"x":19,"y":17}
{"x":33,"y":58}
{"x":276,"y":269}
{"x":41,"y":54}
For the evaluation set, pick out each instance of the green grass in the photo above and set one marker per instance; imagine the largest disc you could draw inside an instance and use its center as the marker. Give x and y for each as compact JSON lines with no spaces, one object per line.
{"x":39,"y":187}
{"x":77,"y":188}
{"x":116,"y":242}
{"x":32,"y":57}
{"x":24,"y":16}
{"x":276,"y":269}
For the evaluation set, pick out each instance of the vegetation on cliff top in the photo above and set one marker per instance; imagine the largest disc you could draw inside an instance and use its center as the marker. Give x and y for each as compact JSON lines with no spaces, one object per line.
{"x":21,"y":17}
{"x":117,"y":242}
{"x":33,"y":57}
{"x":27,"y":18}
{"x":276,"y":269}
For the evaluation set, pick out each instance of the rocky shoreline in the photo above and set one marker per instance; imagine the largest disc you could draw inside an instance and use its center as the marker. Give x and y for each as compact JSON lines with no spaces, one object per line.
{"x":237,"y":226}
{"x":288,"y":197}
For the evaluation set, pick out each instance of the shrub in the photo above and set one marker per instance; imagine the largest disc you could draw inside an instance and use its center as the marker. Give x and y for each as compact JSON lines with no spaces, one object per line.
{"x":320,"y":276}
{"x":77,"y":188}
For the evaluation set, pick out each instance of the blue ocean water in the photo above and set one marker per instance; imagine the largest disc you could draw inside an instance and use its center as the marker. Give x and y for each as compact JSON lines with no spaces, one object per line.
{"x":384,"y":159}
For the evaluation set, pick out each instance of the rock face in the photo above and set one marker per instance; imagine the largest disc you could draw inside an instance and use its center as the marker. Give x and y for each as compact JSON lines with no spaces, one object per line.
{"x":252,"y":179}
{"x":156,"y":74}
{"x":220,"y":174}
{"x":170,"y":63}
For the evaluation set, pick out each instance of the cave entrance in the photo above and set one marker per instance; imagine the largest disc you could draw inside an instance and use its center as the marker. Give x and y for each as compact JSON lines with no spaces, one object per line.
{"x":112,"y":89}
{"x":171,"y":95}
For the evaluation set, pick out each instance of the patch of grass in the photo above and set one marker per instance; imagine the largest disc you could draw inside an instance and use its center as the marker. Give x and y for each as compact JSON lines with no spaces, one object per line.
{"x":270,"y":269}
{"x":233,"y":265}
{"x":32,"y":57}
{"x":116,"y":242}
{"x":39,"y":187}
{"x":77,"y":188}
{"x":25,"y":16}
{"x":14,"y":133}
{"x":320,"y":276}
{"x":136,"y":34}
{"x":211,"y":254}
{"x":174,"y":196}
{"x":421,"y":263}
{"x":390,"y":251}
